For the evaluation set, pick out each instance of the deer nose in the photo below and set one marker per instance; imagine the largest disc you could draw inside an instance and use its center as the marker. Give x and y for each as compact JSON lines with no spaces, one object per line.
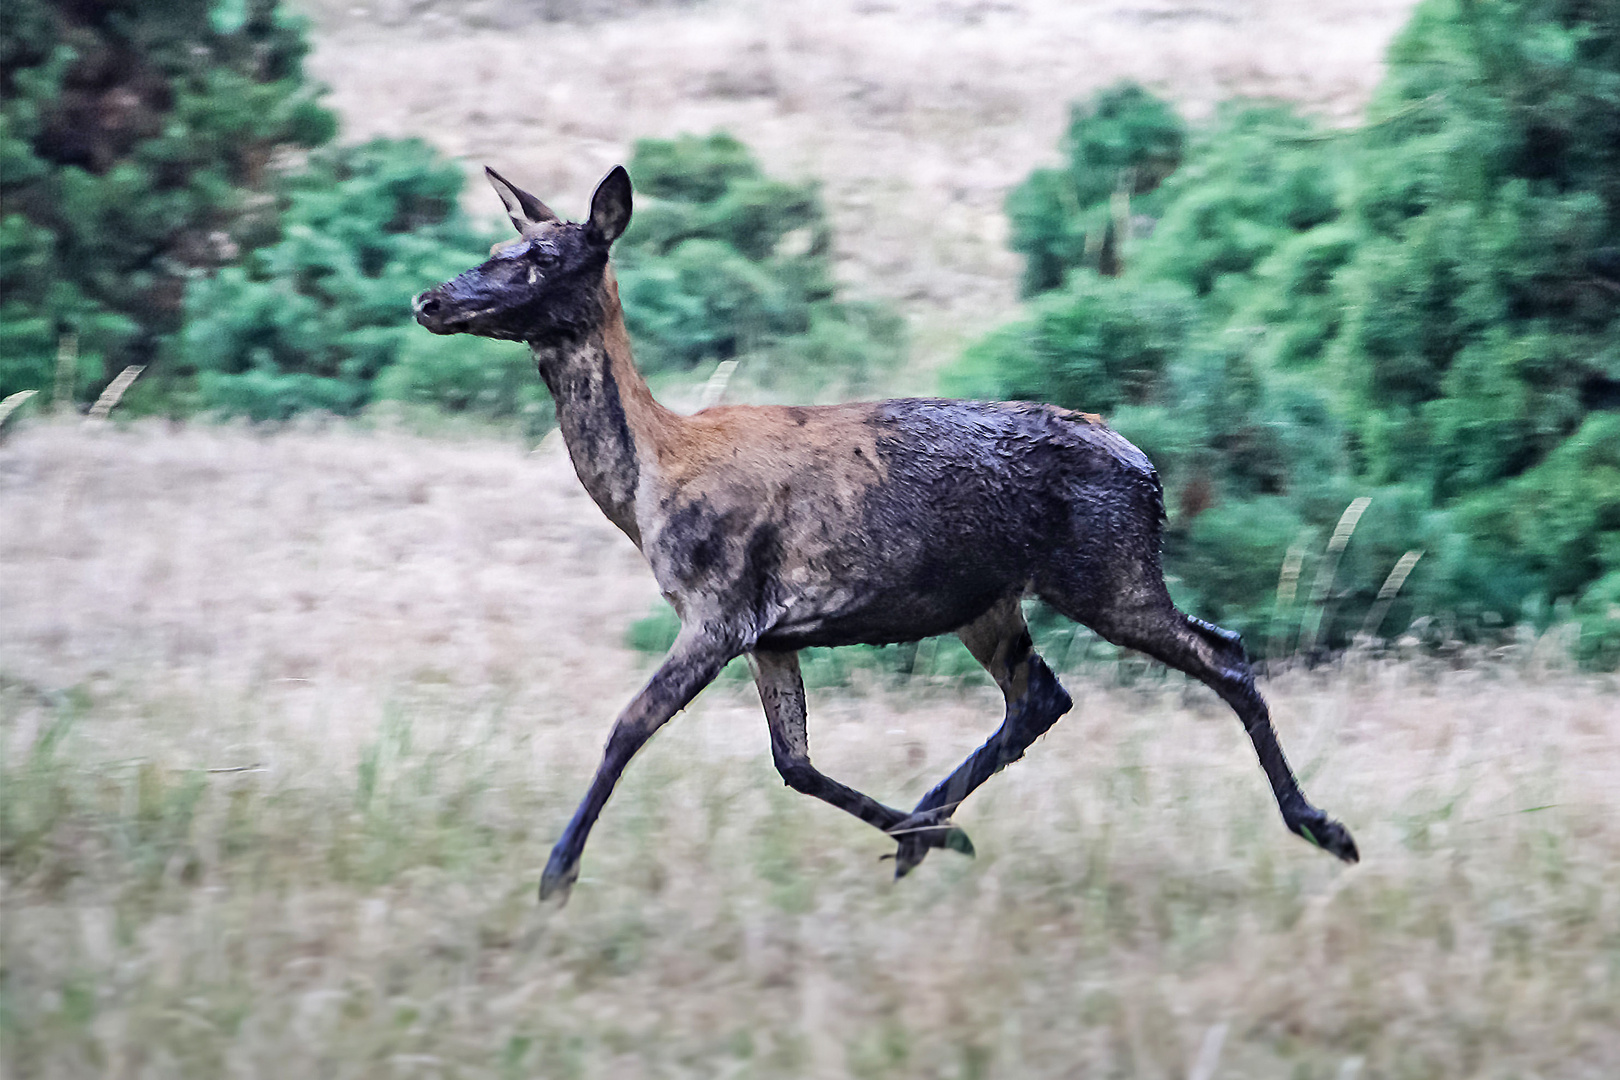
{"x":430,"y":310}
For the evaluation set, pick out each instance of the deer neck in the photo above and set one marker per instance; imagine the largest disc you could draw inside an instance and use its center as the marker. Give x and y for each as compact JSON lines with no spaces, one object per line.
{"x":610,"y":422}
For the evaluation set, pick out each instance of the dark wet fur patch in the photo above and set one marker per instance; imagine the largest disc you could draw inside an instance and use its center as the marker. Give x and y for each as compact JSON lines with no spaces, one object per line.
{"x":977,"y":500}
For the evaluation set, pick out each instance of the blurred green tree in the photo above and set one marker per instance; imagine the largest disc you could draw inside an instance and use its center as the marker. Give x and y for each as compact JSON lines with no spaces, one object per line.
{"x":1096,"y":344}
{"x":1426,"y":310}
{"x":311,"y":320}
{"x":137,"y":142}
{"x":721,"y":262}
{"x":1482,"y":322}
{"x":1123,"y":140}
{"x":1480,"y":353}
{"x":1259,"y":176}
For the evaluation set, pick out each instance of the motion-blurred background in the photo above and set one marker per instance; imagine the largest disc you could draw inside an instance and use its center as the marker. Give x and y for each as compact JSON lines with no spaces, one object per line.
{"x":309,"y":639}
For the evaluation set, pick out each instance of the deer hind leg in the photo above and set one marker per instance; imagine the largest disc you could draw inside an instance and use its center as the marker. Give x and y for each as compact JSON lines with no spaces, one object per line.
{"x":692,"y":664}
{"x":781,"y":692}
{"x":998,"y":639}
{"x":1215,"y":657}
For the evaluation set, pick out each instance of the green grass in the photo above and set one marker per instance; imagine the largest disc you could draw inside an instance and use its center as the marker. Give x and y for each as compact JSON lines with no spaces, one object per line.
{"x":377,"y":916}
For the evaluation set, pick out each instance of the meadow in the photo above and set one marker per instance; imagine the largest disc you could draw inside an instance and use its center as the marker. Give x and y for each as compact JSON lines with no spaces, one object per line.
{"x":288,"y":724}
{"x":290,"y":716}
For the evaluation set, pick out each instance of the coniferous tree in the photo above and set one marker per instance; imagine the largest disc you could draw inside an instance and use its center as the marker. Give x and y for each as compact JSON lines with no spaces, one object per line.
{"x":312,"y":320}
{"x":1123,"y":139}
{"x":723,"y":262}
{"x":137,"y":143}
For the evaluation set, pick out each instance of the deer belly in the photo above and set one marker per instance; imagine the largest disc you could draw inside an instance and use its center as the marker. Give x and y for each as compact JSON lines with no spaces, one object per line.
{"x":919,"y":600}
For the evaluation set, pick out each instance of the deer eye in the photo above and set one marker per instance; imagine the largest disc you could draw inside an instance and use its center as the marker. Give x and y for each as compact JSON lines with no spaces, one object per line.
{"x":539,"y":260}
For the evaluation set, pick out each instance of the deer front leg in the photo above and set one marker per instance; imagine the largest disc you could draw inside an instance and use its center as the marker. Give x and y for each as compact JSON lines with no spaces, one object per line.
{"x":1000,"y":641}
{"x":692,"y":664}
{"x":781,"y":692}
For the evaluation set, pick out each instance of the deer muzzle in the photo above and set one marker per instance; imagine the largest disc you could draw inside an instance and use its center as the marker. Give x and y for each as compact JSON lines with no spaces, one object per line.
{"x":436,"y":313}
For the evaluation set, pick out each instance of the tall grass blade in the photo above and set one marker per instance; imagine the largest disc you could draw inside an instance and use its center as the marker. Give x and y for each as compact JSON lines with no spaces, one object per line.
{"x":1287,"y":589}
{"x":1322,"y":587}
{"x":714,"y":391}
{"x":67,"y":367}
{"x":114,"y":393}
{"x":1388,"y":591}
{"x":12,"y":403}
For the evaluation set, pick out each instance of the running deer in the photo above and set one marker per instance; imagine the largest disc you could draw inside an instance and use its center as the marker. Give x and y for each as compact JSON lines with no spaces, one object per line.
{"x":771,"y":529}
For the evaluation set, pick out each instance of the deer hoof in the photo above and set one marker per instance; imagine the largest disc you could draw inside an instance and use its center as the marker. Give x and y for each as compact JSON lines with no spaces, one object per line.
{"x":1328,"y":835}
{"x":558,"y":880}
{"x":920,"y":832}
{"x":912,"y":851}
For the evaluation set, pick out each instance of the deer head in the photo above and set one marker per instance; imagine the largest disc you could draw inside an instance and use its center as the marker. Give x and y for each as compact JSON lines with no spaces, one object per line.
{"x":542,"y":286}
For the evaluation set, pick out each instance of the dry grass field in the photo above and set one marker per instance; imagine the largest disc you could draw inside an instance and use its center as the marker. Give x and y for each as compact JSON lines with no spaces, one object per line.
{"x":916,"y":117}
{"x":287,"y":725}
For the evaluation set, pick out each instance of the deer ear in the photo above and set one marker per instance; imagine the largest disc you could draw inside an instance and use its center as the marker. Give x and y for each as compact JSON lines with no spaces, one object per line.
{"x":610,"y":206}
{"x":524,"y":209}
